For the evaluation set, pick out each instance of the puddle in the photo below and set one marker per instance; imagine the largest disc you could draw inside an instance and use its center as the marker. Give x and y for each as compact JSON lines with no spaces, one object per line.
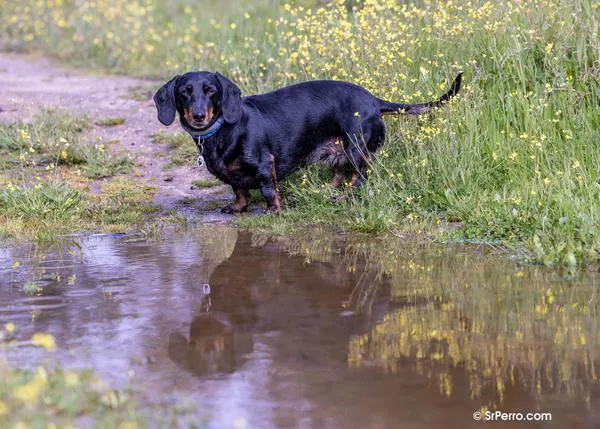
{"x":320,"y":331}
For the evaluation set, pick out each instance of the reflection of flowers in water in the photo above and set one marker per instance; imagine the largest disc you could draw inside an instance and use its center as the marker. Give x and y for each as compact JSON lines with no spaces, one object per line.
{"x":45,"y":340}
{"x":459,"y":310}
{"x":438,"y":339}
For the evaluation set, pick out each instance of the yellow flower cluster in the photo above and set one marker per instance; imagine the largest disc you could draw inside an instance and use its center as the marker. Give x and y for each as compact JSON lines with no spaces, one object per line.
{"x":43,"y":339}
{"x":29,"y":392}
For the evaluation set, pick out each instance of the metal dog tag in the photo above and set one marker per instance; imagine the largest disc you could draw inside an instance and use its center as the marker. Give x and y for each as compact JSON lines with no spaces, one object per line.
{"x":200,"y":161}
{"x":207,"y":300}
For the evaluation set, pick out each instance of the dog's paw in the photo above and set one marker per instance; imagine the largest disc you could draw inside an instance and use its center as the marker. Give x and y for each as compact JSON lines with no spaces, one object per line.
{"x":338,"y":198}
{"x":230,"y":209}
{"x":272,"y":210}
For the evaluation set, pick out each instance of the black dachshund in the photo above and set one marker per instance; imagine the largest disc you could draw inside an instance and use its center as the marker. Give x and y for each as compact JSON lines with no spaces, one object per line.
{"x":253,"y":142}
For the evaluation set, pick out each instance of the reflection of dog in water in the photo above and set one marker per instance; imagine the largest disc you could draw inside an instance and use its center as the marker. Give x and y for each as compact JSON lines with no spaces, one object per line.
{"x":213,"y":346}
{"x":264,"y":289}
{"x":221,"y":333}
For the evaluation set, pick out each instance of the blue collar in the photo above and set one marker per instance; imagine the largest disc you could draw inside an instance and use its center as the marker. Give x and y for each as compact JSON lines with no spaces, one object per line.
{"x":202,"y":135}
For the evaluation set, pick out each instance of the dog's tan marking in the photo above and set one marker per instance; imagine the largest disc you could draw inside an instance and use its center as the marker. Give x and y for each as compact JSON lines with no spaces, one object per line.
{"x":274,"y":174}
{"x":338,"y":179}
{"x":275,"y":204}
{"x":187,"y":114}
{"x":235,"y":165}
{"x":209,"y":116}
{"x":241,"y":200}
{"x":189,"y":117}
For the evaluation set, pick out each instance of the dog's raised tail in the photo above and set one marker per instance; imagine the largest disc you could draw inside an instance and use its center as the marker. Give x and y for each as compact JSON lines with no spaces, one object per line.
{"x":389,"y":108}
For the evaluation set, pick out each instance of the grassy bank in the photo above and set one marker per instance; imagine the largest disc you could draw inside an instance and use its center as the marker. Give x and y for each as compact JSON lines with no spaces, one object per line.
{"x":46,"y":172}
{"x":513,"y":160}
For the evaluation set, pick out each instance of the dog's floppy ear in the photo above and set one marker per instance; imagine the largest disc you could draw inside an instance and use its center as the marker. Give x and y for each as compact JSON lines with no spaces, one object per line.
{"x":231,"y":100}
{"x":165,"y":101}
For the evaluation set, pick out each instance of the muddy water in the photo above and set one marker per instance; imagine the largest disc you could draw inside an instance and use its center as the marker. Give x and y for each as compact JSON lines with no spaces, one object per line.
{"x":318,"y":331}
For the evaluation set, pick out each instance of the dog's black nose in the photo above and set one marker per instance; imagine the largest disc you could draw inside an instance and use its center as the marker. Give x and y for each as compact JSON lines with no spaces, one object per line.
{"x":199,"y":117}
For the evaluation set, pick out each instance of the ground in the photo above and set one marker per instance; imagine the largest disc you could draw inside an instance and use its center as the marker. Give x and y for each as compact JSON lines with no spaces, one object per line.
{"x":31,"y":83}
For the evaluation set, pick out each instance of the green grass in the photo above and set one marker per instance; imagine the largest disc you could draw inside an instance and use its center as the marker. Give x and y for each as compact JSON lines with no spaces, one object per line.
{"x":140,"y":93}
{"x":54,"y":395}
{"x":203,"y":184}
{"x":45,"y":167}
{"x":180,"y":145}
{"x":512,"y":161}
{"x":31,"y":288}
{"x":47,"y":210}
{"x":55,"y":137}
{"x":100,"y":164}
{"x":143,"y":40}
{"x":110,"y":122}
{"x":58,"y":397}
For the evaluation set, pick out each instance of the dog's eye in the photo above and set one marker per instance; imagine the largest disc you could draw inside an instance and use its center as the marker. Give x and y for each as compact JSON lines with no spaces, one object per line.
{"x":186,"y":91}
{"x":208,"y":89}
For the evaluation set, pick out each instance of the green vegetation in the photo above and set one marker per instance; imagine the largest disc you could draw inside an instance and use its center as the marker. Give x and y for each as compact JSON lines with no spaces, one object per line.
{"x":513,"y":160}
{"x":51,"y":396}
{"x":30,"y":288}
{"x":102,"y":164}
{"x":45,"y":168}
{"x":46,"y":210}
{"x":110,"y":122}
{"x":202,"y":184}
{"x":54,"y":138}
{"x":181,"y":148}
{"x":140,"y":93}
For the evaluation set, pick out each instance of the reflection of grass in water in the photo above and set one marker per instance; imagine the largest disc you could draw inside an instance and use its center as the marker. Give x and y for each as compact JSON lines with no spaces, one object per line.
{"x":31,"y":288}
{"x":453,"y":308}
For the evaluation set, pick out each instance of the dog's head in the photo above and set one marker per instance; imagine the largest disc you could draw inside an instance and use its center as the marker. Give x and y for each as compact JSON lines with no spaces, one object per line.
{"x":199,"y":97}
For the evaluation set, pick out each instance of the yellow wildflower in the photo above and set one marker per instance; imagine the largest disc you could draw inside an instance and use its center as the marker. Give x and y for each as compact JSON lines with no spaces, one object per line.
{"x":71,"y":378}
{"x":29,"y":392}
{"x":45,"y":340}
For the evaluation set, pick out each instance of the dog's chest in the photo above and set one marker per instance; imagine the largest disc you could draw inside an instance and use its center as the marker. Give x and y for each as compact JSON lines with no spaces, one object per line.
{"x":229,"y":171}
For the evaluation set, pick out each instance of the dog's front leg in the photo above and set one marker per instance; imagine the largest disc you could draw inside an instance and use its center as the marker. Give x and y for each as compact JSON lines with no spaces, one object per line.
{"x":269,"y":188}
{"x":240,"y":204}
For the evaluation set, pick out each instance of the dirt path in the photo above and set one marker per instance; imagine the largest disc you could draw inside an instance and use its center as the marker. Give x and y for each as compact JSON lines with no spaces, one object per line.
{"x":31,"y":83}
